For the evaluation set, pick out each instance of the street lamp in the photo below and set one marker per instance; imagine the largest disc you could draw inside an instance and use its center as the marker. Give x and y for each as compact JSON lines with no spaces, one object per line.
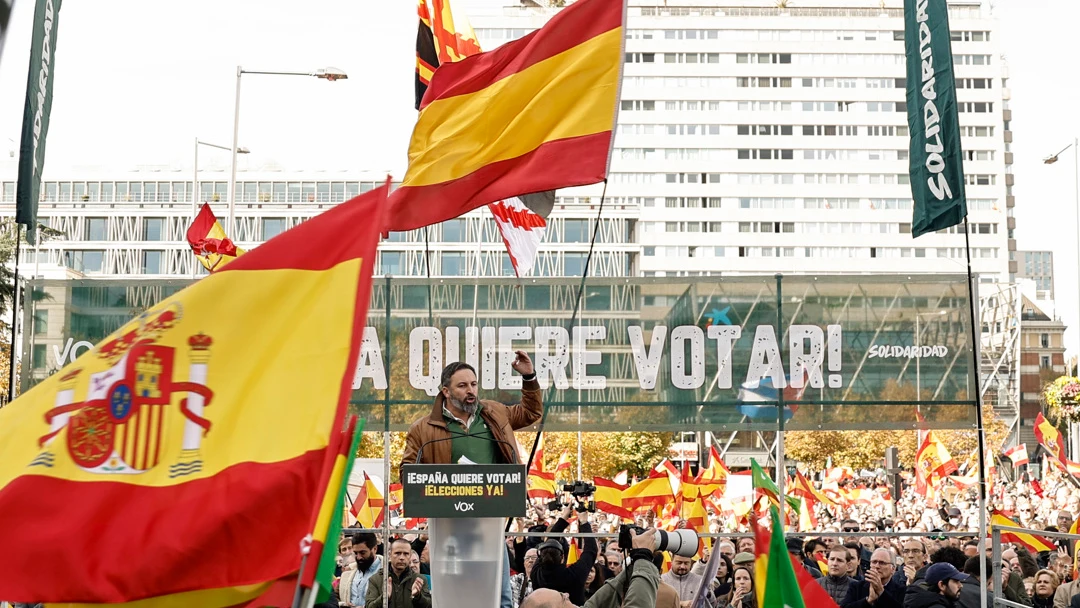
{"x":195,"y":177}
{"x":918,"y":353}
{"x":328,"y":74}
{"x":1076,"y":184}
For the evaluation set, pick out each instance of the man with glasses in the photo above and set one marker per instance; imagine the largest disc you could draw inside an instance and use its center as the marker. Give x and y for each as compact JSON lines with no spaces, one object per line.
{"x":878,"y":589}
{"x":613,"y":561}
{"x":914,"y":554}
{"x":520,"y":583}
{"x":726,"y":549}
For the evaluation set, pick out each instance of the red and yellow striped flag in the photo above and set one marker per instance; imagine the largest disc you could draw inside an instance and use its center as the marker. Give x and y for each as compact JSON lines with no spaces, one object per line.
{"x":714,"y":477}
{"x":653,"y":491}
{"x":532,"y":115}
{"x":1034,"y":543}
{"x":609,"y":497}
{"x":208,"y":241}
{"x":564,"y":463}
{"x":1050,"y":438}
{"x":369,"y":507}
{"x":188,"y":415}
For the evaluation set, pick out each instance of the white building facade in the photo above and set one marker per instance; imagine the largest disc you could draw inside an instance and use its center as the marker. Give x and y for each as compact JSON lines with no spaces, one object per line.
{"x":751,"y":139}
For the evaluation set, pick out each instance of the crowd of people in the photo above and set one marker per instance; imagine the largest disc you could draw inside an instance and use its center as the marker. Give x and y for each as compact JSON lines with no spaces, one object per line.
{"x":862,"y":561}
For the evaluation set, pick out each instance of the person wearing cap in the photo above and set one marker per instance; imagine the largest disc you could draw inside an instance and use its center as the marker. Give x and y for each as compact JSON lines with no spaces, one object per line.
{"x":943,"y":584}
{"x":795,"y":548}
{"x":743,"y":559}
{"x":551,"y":571}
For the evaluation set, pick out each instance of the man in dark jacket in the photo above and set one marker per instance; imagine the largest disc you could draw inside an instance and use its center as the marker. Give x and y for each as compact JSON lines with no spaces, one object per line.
{"x":877,"y":589}
{"x":551,"y":572}
{"x":940,"y":589}
{"x":971,"y":593}
{"x":407,"y":589}
{"x":837,"y":582}
{"x":795,"y":548}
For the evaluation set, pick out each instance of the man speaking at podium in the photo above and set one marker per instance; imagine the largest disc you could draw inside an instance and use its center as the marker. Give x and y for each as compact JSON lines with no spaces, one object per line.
{"x":461,"y":425}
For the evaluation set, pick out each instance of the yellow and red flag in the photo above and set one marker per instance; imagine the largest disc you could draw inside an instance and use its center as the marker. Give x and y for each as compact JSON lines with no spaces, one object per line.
{"x":714,"y":477}
{"x":442,"y":37}
{"x":609,"y":497}
{"x":393,"y":501}
{"x":541,"y":483}
{"x":804,"y":489}
{"x":653,"y":491}
{"x":188,"y":415}
{"x":1033,"y":542}
{"x":208,"y":241}
{"x":1050,"y":438}
{"x":369,"y":507}
{"x":564,"y":463}
{"x":533,"y":115}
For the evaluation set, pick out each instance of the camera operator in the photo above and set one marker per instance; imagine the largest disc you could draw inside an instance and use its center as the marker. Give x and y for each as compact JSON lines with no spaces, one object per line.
{"x":635,"y":587}
{"x":551,"y":571}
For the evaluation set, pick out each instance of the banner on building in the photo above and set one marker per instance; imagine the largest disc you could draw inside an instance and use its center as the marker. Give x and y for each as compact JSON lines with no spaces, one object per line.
{"x":36,"y":111}
{"x":936,"y":164}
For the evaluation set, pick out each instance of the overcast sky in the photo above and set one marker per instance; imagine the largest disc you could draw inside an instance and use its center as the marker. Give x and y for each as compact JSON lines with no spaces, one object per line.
{"x":137,"y":81}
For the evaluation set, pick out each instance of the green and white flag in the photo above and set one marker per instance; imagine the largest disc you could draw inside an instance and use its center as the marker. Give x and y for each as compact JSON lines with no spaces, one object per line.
{"x":937,"y":168}
{"x":36,"y":111}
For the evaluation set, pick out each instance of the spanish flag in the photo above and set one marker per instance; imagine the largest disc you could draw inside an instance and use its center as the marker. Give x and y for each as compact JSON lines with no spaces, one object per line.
{"x":443,"y":36}
{"x":609,"y":497}
{"x":714,"y":477}
{"x":369,"y":506}
{"x":189,"y":417}
{"x":653,"y":491}
{"x":1050,"y":438}
{"x":532,"y":115}
{"x":1032,"y":542}
{"x":208,"y":241}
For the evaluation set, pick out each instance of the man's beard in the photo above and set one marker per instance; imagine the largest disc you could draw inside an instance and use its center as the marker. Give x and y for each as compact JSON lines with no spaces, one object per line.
{"x":469,"y":407}
{"x":362,"y":565}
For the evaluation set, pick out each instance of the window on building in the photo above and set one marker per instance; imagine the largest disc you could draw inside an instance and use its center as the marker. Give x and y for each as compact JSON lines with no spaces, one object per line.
{"x":390,"y":262}
{"x":453,"y":264}
{"x":454,"y":231}
{"x":97,"y":229}
{"x":39,"y":353}
{"x":272,"y":226}
{"x":152,"y":262}
{"x":153,"y":229}
{"x":41,"y":322}
{"x":1044,"y":340}
{"x":1044,"y":361}
{"x":574,"y":264}
{"x":576,"y":231}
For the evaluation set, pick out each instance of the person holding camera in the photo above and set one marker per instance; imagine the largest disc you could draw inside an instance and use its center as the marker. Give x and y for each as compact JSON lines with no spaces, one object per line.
{"x":634,"y":587}
{"x":551,"y":571}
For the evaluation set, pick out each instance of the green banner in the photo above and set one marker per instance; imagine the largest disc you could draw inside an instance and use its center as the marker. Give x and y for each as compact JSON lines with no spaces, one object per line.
{"x":937,"y":169}
{"x":35,"y":127}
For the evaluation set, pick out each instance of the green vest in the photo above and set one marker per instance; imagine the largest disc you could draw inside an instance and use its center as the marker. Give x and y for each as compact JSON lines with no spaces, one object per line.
{"x":479,"y":444}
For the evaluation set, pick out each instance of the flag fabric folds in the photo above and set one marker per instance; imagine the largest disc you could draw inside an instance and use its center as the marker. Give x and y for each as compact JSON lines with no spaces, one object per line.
{"x":328,"y":526}
{"x":532,"y":115}
{"x":208,"y":241}
{"x":609,"y":497}
{"x":188,"y":415}
{"x":1018,"y":454}
{"x":369,"y":506}
{"x":563,"y":466}
{"x":1050,"y":438}
{"x":522,"y":230}
{"x":781,"y":588}
{"x":936,"y":162}
{"x":654,"y":491}
{"x":1032,"y":542}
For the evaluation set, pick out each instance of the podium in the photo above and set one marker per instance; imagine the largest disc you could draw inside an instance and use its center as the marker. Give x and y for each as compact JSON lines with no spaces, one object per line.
{"x":466,"y":506}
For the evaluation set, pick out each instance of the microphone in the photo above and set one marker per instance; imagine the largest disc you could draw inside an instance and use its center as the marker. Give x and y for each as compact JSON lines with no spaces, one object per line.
{"x":420,"y":452}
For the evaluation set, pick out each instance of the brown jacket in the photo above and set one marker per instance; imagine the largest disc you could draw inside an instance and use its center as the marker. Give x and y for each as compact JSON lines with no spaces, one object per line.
{"x":503,"y":420}
{"x":666,"y":596}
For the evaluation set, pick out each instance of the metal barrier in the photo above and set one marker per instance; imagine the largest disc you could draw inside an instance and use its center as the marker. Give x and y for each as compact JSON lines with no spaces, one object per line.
{"x":995,"y":543}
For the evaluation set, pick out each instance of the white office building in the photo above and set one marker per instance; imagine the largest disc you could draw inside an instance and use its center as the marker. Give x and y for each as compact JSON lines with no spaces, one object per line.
{"x":751,"y":139}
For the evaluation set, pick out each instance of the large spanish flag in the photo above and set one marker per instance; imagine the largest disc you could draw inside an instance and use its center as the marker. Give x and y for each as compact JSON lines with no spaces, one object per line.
{"x":532,"y":115}
{"x":205,"y":423}
{"x":1033,"y":542}
{"x":609,"y":497}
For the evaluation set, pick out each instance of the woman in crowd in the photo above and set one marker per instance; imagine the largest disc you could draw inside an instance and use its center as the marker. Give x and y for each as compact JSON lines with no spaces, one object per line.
{"x":595,"y":580}
{"x":1046,"y":583}
{"x":743,"y":595}
{"x":725,"y":578}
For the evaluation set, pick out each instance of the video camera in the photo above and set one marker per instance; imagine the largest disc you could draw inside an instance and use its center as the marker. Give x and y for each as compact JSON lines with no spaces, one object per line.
{"x":581,"y":491}
{"x":683,"y":543}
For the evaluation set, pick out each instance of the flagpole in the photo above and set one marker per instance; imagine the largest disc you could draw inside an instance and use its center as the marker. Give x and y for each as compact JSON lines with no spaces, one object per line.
{"x":976,"y":347}
{"x":14,"y":313}
{"x":780,"y":472}
{"x":570,"y":325}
